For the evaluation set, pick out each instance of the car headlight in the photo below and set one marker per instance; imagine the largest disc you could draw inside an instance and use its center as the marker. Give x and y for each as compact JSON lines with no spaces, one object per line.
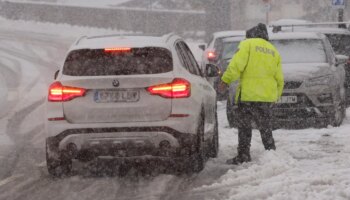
{"x":323,"y":80}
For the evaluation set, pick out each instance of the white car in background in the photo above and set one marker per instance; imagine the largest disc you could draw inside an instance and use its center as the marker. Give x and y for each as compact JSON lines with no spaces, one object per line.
{"x":213,"y":54}
{"x":133,"y":99}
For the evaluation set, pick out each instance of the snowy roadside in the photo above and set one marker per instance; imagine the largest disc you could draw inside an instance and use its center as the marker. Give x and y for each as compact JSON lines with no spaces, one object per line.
{"x":308,"y":164}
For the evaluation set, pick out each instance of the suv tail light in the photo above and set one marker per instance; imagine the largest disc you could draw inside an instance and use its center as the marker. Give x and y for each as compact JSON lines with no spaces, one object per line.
{"x":179,"y":88}
{"x":58,"y":92}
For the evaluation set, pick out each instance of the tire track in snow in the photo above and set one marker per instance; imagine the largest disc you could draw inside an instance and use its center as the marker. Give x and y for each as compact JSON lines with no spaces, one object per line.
{"x":22,"y":140}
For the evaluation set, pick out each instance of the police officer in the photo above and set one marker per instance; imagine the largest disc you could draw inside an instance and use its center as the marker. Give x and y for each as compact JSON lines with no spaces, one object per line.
{"x":257,"y":66}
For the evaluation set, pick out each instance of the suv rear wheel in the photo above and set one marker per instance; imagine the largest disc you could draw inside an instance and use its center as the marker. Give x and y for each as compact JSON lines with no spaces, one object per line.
{"x":58,"y":167}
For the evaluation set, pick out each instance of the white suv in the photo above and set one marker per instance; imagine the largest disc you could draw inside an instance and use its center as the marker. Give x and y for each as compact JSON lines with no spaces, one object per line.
{"x":131,"y":98}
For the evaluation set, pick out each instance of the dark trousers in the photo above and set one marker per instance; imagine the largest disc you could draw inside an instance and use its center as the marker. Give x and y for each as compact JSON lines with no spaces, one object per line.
{"x":260,"y":113}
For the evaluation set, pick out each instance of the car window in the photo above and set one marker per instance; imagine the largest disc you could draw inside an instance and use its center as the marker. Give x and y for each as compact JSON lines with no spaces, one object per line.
{"x":186,"y":58}
{"x":218,"y":45}
{"x":301,"y":50}
{"x":229,"y":48}
{"x":98,"y":62}
{"x":340,"y":43}
{"x":330,"y":51}
{"x":194,"y":65}
{"x":183,"y":57}
{"x":210,"y":40}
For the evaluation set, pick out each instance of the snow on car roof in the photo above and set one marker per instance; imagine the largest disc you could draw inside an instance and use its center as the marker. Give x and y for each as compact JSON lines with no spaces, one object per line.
{"x":228,"y":34}
{"x":233,"y":39}
{"x":324,"y":30}
{"x":101,"y":42}
{"x":289,"y":21}
{"x":295,"y":35}
{"x":283,"y":36}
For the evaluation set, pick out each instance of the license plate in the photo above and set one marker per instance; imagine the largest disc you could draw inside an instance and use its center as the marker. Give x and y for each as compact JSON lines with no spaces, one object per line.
{"x":288,"y":99}
{"x":108,"y":96}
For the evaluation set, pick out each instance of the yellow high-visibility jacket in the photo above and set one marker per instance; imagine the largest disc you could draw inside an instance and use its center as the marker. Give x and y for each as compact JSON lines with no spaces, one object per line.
{"x":257,"y":66}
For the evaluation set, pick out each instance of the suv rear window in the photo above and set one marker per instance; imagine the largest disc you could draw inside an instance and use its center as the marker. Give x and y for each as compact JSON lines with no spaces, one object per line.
{"x":97,"y":62}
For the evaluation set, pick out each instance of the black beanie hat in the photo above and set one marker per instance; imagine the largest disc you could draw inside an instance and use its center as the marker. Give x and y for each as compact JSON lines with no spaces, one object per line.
{"x":259,"y":31}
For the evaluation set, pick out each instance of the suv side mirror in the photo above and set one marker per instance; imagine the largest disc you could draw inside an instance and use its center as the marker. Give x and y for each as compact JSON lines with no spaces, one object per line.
{"x":202,"y":46}
{"x":341,"y":59}
{"x":56,"y":74}
{"x":212,"y":70}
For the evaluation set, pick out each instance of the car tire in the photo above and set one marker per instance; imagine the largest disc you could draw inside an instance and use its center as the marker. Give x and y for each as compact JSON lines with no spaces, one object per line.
{"x":229,"y":114}
{"x":58,"y":167}
{"x":214,"y":145}
{"x":338,"y":115}
{"x":199,"y":156}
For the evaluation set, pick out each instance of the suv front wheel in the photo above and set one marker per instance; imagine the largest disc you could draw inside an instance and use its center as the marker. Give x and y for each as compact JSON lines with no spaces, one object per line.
{"x":338,"y":113}
{"x":214,"y":144}
{"x":199,"y":156}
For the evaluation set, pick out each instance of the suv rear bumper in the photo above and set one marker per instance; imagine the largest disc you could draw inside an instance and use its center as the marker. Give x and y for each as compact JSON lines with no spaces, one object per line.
{"x":122,"y":143}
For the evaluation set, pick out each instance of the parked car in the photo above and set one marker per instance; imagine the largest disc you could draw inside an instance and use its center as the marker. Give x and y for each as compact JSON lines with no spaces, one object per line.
{"x":314,"y":93}
{"x":338,"y":37}
{"x":133,"y":99}
{"x":213,"y":55}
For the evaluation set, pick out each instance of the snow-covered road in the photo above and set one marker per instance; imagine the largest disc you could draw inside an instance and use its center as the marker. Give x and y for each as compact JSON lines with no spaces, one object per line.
{"x":308,"y":164}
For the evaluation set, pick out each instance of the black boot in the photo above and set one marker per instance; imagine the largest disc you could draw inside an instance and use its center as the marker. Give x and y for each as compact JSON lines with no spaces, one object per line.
{"x":267,"y":139}
{"x":243,"y":149}
{"x":239,"y":159}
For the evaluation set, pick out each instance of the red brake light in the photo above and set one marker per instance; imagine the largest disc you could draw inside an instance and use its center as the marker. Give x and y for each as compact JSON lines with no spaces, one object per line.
{"x":118,"y":49}
{"x":211,"y":55}
{"x":58,"y":92}
{"x":179,"y":88}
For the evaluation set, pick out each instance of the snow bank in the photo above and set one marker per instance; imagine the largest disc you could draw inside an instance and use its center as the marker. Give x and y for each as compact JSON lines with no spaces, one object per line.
{"x":59,"y":30}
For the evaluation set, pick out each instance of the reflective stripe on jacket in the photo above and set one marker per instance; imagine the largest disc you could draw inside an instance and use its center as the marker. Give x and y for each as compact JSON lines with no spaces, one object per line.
{"x":257,"y":65}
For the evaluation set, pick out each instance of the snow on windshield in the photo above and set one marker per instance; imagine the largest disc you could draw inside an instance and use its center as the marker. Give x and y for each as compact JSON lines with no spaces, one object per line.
{"x":301,"y":50}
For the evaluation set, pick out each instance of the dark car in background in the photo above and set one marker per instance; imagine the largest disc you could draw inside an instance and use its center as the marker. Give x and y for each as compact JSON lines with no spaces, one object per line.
{"x":314,"y":93}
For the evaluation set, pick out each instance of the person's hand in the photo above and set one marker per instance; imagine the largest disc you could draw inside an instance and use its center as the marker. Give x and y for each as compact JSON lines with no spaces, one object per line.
{"x":222,"y":86}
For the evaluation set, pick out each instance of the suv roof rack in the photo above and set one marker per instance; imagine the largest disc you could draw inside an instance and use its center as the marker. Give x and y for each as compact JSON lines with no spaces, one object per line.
{"x":278,"y":27}
{"x":168,"y":36}
{"x":117,"y":35}
{"x":79,"y":39}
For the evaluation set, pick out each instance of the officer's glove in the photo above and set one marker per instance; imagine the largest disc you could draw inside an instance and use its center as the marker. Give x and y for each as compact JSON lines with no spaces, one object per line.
{"x":222,"y":86}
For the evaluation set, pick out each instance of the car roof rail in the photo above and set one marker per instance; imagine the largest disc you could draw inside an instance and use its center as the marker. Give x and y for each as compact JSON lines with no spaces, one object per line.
{"x":168,"y":36}
{"x":118,"y":35}
{"x":79,"y":39}
{"x":278,"y":28}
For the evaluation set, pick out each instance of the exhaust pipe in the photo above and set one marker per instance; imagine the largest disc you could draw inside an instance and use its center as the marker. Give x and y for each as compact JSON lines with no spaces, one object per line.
{"x":72,"y":150}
